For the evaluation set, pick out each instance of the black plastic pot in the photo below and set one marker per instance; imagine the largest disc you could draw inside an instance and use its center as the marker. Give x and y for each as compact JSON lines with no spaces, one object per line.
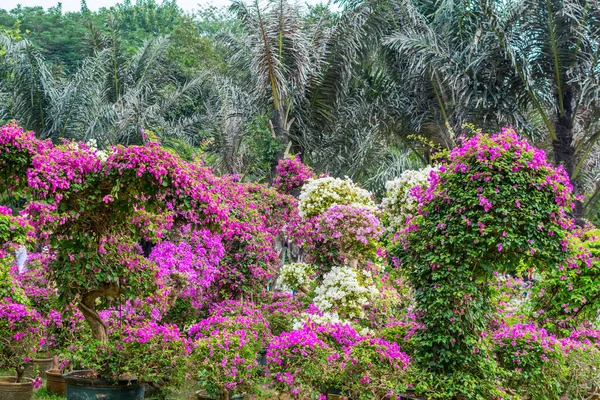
{"x":80,"y":388}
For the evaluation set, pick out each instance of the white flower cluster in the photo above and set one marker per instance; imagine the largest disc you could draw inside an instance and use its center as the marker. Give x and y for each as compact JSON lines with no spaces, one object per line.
{"x":398,"y":203}
{"x":319,"y":194}
{"x":294,"y":275}
{"x":346,"y":291}
{"x":93,"y":145}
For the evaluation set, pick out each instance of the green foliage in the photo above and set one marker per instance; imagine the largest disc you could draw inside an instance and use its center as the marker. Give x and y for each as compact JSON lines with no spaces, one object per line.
{"x":570,"y":293}
{"x":152,"y":358}
{"x":262,"y":147}
{"x":488,"y":209}
{"x":225,"y":362}
{"x":458,"y":385}
{"x":182,"y":314}
{"x":582,"y":379}
{"x":9,"y":287}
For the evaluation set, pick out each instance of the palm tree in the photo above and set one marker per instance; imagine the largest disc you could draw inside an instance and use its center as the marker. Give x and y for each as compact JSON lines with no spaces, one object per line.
{"x":110,"y":98}
{"x":553,"y":47}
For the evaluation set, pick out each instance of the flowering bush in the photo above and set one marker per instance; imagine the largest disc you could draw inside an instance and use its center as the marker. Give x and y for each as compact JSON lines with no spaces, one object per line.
{"x":225,"y":363}
{"x":152,"y":352}
{"x":291,"y":174}
{"x":295,"y":276}
{"x":582,"y":356}
{"x":533,"y":356}
{"x":301,"y":364}
{"x":346,"y":291}
{"x":320,"y":194}
{"x":281,"y":309}
{"x":352,"y":230}
{"x":375,"y":369}
{"x":20,"y":336}
{"x":231,"y":316}
{"x":258,"y":216}
{"x":569,"y":294}
{"x":187,"y":269}
{"x":18,"y":149}
{"x":495,"y":202}
{"x":14,"y":232}
{"x":400,"y":202}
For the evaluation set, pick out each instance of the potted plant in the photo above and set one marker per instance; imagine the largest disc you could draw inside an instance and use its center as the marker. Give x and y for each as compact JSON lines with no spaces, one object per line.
{"x":92,"y":208}
{"x":153,"y":353}
{"x":20,"y":325}
{"x":64,"y":328}
{"x":20,"y":334}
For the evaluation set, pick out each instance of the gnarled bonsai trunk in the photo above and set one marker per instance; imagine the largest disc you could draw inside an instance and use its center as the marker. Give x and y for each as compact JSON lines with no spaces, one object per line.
{"x":20,"y":370}
{"x":87,"y":306}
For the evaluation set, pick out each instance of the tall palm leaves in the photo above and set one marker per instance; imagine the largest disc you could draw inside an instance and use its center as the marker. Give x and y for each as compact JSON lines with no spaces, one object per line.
{"x":110,"y":98}
{"x":553,"y":47}
{"x":26,"y":82}
{"x":276,"y":50}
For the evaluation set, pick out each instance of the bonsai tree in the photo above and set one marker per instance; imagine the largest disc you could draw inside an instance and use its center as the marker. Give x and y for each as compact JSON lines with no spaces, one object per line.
{"x":94,"y":212}
{"x":20,"y":335}
{"x":92,"y":209}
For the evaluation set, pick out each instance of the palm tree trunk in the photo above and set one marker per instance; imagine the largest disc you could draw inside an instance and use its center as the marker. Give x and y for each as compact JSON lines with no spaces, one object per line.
{"x":281,"y":134}
{"x":564,"y":150}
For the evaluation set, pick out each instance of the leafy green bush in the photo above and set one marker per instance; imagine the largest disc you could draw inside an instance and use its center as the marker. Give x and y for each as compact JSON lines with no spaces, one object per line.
{"x":493,"y":203}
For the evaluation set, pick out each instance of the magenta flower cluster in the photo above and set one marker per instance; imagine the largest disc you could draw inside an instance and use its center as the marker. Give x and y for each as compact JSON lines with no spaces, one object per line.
{"x":291,"y":174}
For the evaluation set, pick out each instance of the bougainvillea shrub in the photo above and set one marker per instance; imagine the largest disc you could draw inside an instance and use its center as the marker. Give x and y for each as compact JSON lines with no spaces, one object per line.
{"x":152,"y":352}
{"x":225,"y":348}
{"x":320,"y":194}
{"x":569,"y":295}
{"x":14,"y":232}
{"x":300,"y":363}
{"x":531,"y":355}
{"x":375,"y":369}
{"x":494,"y":203}
{"x":21,"y":330}
{"x":291,"y":174}
{"x":98,"y":210}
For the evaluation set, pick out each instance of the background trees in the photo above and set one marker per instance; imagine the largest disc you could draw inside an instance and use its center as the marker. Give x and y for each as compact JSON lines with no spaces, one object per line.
{"x":351,"y":89}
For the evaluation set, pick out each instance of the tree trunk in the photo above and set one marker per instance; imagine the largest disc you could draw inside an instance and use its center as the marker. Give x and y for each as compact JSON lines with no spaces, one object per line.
{"x":233,"y":132}
{"x":87,"y":306}
{"x":281,"y":134}
{"x":20,"y":370}
{"x":564,"y":151}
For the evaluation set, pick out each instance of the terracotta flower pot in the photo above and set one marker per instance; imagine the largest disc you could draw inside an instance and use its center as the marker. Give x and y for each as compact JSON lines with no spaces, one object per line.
{"x":10,"y":390}
{"x":55,"y":383}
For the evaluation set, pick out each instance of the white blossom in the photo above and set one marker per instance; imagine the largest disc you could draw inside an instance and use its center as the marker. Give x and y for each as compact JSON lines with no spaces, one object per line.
{"x":346,"y":291}
{"x":399,"y":203}
{"x":293,"y":276}
{"x":318,"y":195}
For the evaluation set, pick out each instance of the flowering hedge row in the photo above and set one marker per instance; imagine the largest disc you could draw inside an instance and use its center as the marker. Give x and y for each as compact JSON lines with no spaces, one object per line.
{"x":145,"y":264}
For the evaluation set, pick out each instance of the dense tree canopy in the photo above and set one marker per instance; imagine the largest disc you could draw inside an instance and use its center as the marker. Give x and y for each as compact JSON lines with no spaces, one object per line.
{"x":363,"y":91}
